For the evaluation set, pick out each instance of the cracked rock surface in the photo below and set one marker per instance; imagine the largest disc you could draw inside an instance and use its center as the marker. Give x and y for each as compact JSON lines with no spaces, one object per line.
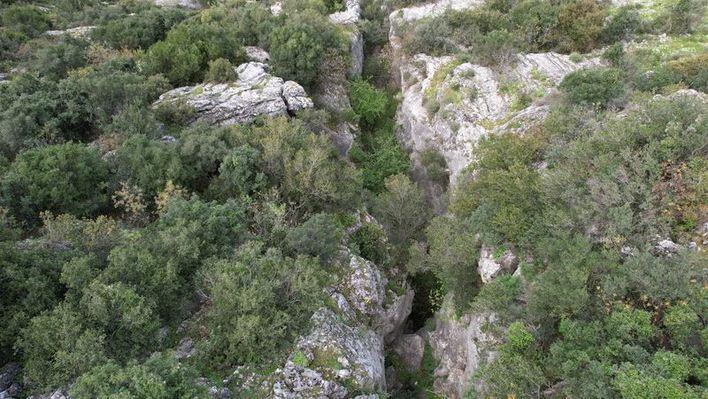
{"x":256,"y":92}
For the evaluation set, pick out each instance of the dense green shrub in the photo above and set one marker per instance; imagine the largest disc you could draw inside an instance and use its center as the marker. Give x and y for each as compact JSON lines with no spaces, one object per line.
{"x":38,"y":111}
{"x":183,"y":56}
{"x":370,"y":240}
{"x":160,"y":377}
{"x":452,"y":257}
{"x":319,"y":237}
{"x":138,"y":31}
{"x":368,"y":102}
{"x":149,"y":164}
{"x":297,"y":47}
{"x":56,"y":60}
{"x":252,"y":293}
{"x":68,"y":178}
{"x":595,"y":87}
{"x":29,"y":280}
{"x":239,"y":172}
{"x":56,"y":348}
{"x":692,"y":70}
{"x":126,"y":320}
{"x":26,"y":19}
{"x":251,"y":22}
{"x":501,"y":29}
{"x":304,"y":166}
{"x":579,"y":25}
{"x":503,"y":197}
{"x":220,"y":71}
{"x":621,"y":25}
{"x":435,"y":167}
{"x":401,"y":209}
{"x":377,"y":149}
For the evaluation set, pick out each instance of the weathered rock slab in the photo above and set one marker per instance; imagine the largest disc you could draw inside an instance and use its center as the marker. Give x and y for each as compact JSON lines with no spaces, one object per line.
{"x":255,"y":93}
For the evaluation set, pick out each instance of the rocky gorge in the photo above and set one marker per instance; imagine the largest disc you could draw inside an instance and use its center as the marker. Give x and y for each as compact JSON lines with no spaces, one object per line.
{"x":396,"y":328}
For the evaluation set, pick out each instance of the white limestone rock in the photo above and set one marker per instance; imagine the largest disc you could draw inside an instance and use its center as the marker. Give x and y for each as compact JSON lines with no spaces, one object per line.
{"x":335,"y":355}
{"x":253,"y":94}
{"x":256,"y":54}
{"x":190,"y":4}
{"x":490,"y":267}
{"x":77,"y":32}
{"x":452,"y":112}
{"x":461,"y":345}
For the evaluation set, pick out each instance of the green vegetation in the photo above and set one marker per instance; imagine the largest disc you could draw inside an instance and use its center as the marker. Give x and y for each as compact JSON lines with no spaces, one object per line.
{"x":593,"y":310}
{"x":126,"y":228}
{"x":376,"y":150}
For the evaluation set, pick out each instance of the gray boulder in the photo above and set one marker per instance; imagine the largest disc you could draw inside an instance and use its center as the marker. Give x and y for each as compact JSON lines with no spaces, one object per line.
{"x":410,"y":349}
{"x":256,"y":54}
{"x":333,"y":355}
{"x":77,"y":32}
{"x":490,"y":267}
{"x":461,"y":345}
{"x":254,"y":93}
{"x":9,"y":386}
{"x":191,"y":4}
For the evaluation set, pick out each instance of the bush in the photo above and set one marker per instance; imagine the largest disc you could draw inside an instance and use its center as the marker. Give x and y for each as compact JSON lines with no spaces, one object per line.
{"x":160,"y":377}
{"x":184,"y":55}
{"x":39,"y":111}
{"x":579,"y":25}
{"x":319,"y":236}
{"x":595,"y":87}
{"x":26,"y":19}
{"x":56,"y":60}
{"x":401,"y":209}
{"x":67,"y":178}
{"x":254,"y":293}
{"x":692,"y":70}
{"x":370,"y":240}
{"x":452,"y":257}
{"x":435,"y":167}
{"x":220,"y":71}
{"x":29,"y":280}
{"x":621,"y":26}
{"x":149,"y":164}
{"x":138,"y":31}
{"x":298,"y":46}
{"x":56,"y":348}
{"x":126,"y":319}
{"x":368,"y":102}
{"x":615,"y":55}
{"x":496,"y":48}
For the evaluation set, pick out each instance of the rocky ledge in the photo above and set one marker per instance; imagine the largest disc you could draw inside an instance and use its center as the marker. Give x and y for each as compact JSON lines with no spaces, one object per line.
{"x":255,"y":93}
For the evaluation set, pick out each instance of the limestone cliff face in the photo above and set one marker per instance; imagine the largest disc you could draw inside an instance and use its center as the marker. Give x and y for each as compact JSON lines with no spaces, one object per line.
{"x":448,"y":105}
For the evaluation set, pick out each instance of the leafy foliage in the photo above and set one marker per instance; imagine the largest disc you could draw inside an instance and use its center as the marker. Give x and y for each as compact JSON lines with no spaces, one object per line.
{"x":68,"y":178}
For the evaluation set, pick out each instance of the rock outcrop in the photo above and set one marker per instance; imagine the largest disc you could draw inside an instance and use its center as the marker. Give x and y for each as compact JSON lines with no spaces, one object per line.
{"x":257,"y":54}
{"x":449,"y":106}
{"x":349,"y":19}
{"x":254,"y":93}
{"x":191,"y":4}
{"x":461,"y":345}
{"x":9,"y":384}
{"x":490,"y":266}
{"x":78,"y":32}
{"x":410,"y":348}
{"x":344,"y":350}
